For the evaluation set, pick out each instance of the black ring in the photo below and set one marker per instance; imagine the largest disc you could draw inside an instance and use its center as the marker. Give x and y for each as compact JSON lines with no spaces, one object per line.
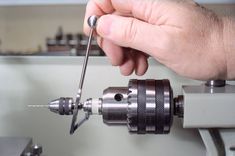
{"x":66,"y":106}
{"x":141,"y":110}
{"x":160,"y":119}
{"x":61,"y":106}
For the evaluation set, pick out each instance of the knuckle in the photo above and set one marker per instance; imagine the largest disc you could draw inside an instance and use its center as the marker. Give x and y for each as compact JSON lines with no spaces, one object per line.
{"x":131,"y":31}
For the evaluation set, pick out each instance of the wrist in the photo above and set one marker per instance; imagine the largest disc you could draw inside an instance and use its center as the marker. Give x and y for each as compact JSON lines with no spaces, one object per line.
{"x":229,"y":45}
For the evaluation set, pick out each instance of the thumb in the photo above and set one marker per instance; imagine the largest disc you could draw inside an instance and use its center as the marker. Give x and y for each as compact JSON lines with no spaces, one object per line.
{"x":133,"y":33}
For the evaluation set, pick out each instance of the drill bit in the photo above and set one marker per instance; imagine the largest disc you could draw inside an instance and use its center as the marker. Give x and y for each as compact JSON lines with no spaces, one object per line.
{"x":38,"y":106}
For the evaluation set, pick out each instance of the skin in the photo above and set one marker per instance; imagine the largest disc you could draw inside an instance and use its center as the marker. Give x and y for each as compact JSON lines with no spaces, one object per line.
{"x":187,"y":38}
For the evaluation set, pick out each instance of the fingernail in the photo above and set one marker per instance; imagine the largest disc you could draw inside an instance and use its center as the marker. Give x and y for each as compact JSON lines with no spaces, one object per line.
{"x":104,"y":25}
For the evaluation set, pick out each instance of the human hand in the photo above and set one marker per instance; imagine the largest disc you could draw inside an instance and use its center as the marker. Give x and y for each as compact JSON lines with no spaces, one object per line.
{"x":181,"y":35}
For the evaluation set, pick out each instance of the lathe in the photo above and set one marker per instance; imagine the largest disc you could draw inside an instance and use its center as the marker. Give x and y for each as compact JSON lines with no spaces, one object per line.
{"x":161,"y":102}
{"x":148,"y":106}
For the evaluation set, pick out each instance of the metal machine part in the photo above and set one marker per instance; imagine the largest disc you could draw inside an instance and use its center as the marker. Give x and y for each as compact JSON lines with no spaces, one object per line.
{"x":145,"y":106}
{"x":71,"y":44}
{"x":179,"y":106}
{"x":62,"y":106}
{"x":92,"y":23}
{"x":36,"y":150}
{"x":12,"y":146}
{"x":208,"y":102}
{"x":205,"y":109}
{"x":216,"y":83}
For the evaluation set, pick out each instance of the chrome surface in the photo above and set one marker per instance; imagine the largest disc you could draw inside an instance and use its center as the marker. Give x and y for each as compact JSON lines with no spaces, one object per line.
{"x":36,"y":150}
{"x":93,"y":106}
{"x":150,"y":105}
{"x":132,"y":105}
{"x":128,"y":110}
{"x":114,"y":106}
{"x":179,"y":106}
{"x":145,"y":106}
{"x":92,"y":23}
{"x":62,"y":106}
{"x":168,"y":105}
{"x":216,"y":83}
{"x":54,"y":106}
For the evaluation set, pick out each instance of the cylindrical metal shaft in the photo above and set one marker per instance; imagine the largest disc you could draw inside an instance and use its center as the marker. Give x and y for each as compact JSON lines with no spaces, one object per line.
{"x":92,"y":23}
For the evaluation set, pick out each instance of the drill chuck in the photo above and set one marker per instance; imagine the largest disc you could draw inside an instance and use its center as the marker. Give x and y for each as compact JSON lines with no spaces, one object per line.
{"x":145,"y":106}
{"x":62,"y":106}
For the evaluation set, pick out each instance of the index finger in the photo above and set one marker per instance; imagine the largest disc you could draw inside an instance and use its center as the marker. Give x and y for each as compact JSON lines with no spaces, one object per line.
{"x":98,"y":8}
{"x":141,"y":9}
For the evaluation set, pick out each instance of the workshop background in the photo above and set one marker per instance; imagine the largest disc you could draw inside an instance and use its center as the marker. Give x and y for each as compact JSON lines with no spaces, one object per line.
{"x":25,"y":28}
{"x":32,"y":80}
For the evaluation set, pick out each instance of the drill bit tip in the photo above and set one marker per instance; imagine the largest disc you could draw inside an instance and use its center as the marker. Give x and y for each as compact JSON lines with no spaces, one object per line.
{"x":92,"y":20}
